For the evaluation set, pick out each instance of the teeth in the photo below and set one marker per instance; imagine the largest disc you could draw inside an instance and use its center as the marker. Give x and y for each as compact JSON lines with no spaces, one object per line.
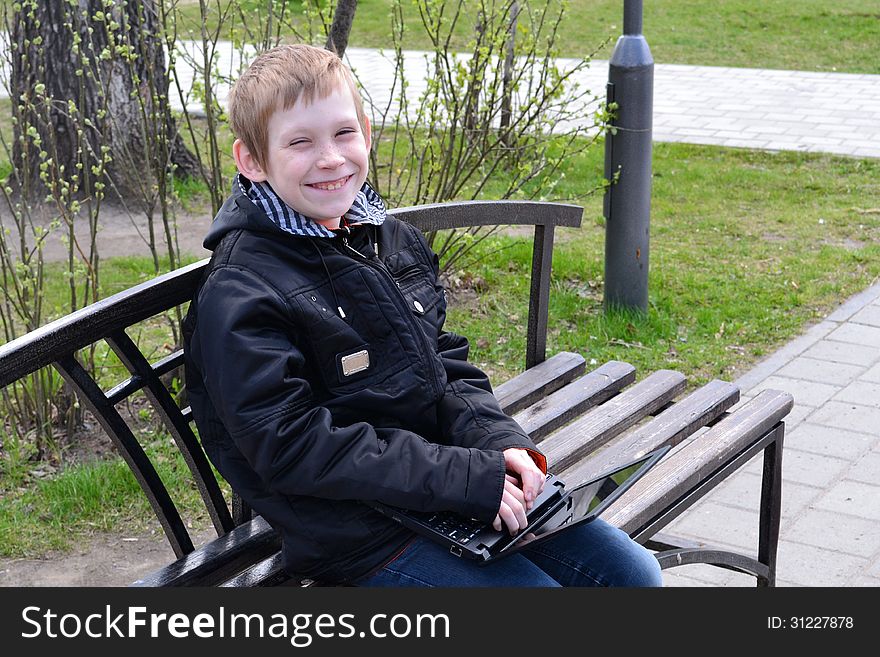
{"x":331,"y":186}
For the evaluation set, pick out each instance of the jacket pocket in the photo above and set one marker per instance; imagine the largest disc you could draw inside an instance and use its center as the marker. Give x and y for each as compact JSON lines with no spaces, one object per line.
{"x":347,"y":354}
{"x":424,"y":303}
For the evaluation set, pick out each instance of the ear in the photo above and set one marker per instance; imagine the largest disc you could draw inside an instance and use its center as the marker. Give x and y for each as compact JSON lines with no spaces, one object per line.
{"x":368,"y":133}
{"x":246,"y":163}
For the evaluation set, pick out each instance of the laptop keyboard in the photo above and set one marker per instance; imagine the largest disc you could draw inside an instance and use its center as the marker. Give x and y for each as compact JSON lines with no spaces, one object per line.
{"x":454,"y":526}
{"x":462,"y":530}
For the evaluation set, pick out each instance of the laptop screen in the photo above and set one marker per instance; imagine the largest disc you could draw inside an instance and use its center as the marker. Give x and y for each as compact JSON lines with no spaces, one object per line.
{"x":589,"y":499}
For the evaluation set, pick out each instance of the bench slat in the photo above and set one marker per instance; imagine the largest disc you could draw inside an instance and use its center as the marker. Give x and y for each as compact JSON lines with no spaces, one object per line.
{"x":572,"y":400}
{"x":569,"y":444}
{"x":530,"y":386}
{"x":268,"y":572}
{"x":220,"y":559}
{"x":674,"y":424}
{"x":469,"y":214}
{"x":682,"y":470}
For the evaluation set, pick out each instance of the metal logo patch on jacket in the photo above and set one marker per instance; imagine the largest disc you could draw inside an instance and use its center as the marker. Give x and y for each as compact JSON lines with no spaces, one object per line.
{"x":356,"y":362}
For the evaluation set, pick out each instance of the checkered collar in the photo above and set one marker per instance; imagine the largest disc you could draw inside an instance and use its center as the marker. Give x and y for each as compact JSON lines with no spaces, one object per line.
{"x":368,"y":208}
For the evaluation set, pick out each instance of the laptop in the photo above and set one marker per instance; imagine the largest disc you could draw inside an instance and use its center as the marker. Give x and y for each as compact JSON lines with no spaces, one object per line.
{"x":555,"y":510}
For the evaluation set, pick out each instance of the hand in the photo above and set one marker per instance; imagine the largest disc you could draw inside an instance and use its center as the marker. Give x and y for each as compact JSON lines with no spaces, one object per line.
{"x":512,"y":510}
{"x":531,"y":479}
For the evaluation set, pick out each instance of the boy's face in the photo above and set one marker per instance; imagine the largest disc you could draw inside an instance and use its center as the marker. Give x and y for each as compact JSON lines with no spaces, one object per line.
{"x":317,"y":156}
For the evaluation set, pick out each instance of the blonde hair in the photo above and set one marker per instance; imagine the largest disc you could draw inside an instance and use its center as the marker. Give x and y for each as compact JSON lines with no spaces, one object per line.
{"x":276,"y":80}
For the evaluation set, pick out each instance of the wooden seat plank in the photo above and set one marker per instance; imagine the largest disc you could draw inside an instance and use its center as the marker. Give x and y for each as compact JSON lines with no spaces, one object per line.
{"x":268,"y":572}
{"x":674,"y":424}
{"x":562,"y":406}
{"x":536,"y":382}
{"x":684,"y":469}
{"x":564,"y":447}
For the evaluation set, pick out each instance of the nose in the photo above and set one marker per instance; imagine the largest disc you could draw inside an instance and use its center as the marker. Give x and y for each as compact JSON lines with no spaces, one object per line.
{"x":330,"y":157}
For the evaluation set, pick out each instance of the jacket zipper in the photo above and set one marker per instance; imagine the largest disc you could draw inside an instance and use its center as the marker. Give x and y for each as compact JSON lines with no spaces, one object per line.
{"x":417,"y":330}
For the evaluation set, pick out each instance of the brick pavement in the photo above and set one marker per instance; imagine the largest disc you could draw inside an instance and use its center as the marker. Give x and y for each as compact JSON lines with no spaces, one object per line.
{"x":749,"y":108}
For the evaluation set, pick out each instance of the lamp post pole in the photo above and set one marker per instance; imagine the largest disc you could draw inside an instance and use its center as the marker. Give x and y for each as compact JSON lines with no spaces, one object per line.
{"x":627,"y":203}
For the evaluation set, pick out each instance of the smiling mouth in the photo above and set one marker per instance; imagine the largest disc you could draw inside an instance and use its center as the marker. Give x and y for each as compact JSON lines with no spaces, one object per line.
{"x":331,"y":185}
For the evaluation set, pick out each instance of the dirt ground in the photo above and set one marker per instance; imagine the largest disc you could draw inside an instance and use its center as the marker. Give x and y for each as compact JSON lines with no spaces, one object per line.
{"x":120,"y":232}
{"x":108,"y":560}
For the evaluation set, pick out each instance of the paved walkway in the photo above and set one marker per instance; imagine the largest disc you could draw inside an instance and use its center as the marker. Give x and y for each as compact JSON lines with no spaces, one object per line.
{"x":773,"y":110}
{"x":749,"y":108}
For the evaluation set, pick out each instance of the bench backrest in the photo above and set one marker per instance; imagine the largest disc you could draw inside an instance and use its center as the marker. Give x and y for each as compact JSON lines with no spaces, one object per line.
{"x":58,"y":342}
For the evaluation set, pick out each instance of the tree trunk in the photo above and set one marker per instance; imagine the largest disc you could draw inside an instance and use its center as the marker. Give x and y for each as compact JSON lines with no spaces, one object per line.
{"x":340,"y":29}
{"x":93,"y":117}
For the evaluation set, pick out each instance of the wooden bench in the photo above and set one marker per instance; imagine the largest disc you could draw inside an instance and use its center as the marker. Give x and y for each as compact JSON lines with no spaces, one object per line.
{"x":583,"y":421}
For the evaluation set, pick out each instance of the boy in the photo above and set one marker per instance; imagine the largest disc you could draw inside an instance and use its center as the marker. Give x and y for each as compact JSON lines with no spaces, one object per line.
{"x":319,"y":372}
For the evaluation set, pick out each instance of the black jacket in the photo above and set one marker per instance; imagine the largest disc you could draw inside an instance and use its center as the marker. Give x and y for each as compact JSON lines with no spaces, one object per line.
{"x":304,"y":412}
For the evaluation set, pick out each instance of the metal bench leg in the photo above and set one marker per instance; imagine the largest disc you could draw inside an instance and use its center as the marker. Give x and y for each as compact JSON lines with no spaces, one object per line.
{"x":683,"y":556}
{"x":771,"y":506}
{"x":673,"y":551}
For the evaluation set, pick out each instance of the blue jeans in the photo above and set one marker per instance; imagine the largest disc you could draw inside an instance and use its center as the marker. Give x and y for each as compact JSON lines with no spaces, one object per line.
{"x":590,"y":554}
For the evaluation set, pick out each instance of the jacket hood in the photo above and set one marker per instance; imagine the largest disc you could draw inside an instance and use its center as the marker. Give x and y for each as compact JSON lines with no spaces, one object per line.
{"x":238,"y":212}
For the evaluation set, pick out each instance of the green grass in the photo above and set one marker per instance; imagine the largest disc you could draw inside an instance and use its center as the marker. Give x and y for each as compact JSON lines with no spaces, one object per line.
{"x":782,"y":239}
{"x":812,"y":35}
{"x":42,"y":516}
{"x":115,"y":274}
{"x":56,"y":513}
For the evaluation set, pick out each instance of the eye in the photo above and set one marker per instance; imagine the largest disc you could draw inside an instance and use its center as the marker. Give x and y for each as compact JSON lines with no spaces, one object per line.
{"x":346,"y":131}
{"x":298,"y":142}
